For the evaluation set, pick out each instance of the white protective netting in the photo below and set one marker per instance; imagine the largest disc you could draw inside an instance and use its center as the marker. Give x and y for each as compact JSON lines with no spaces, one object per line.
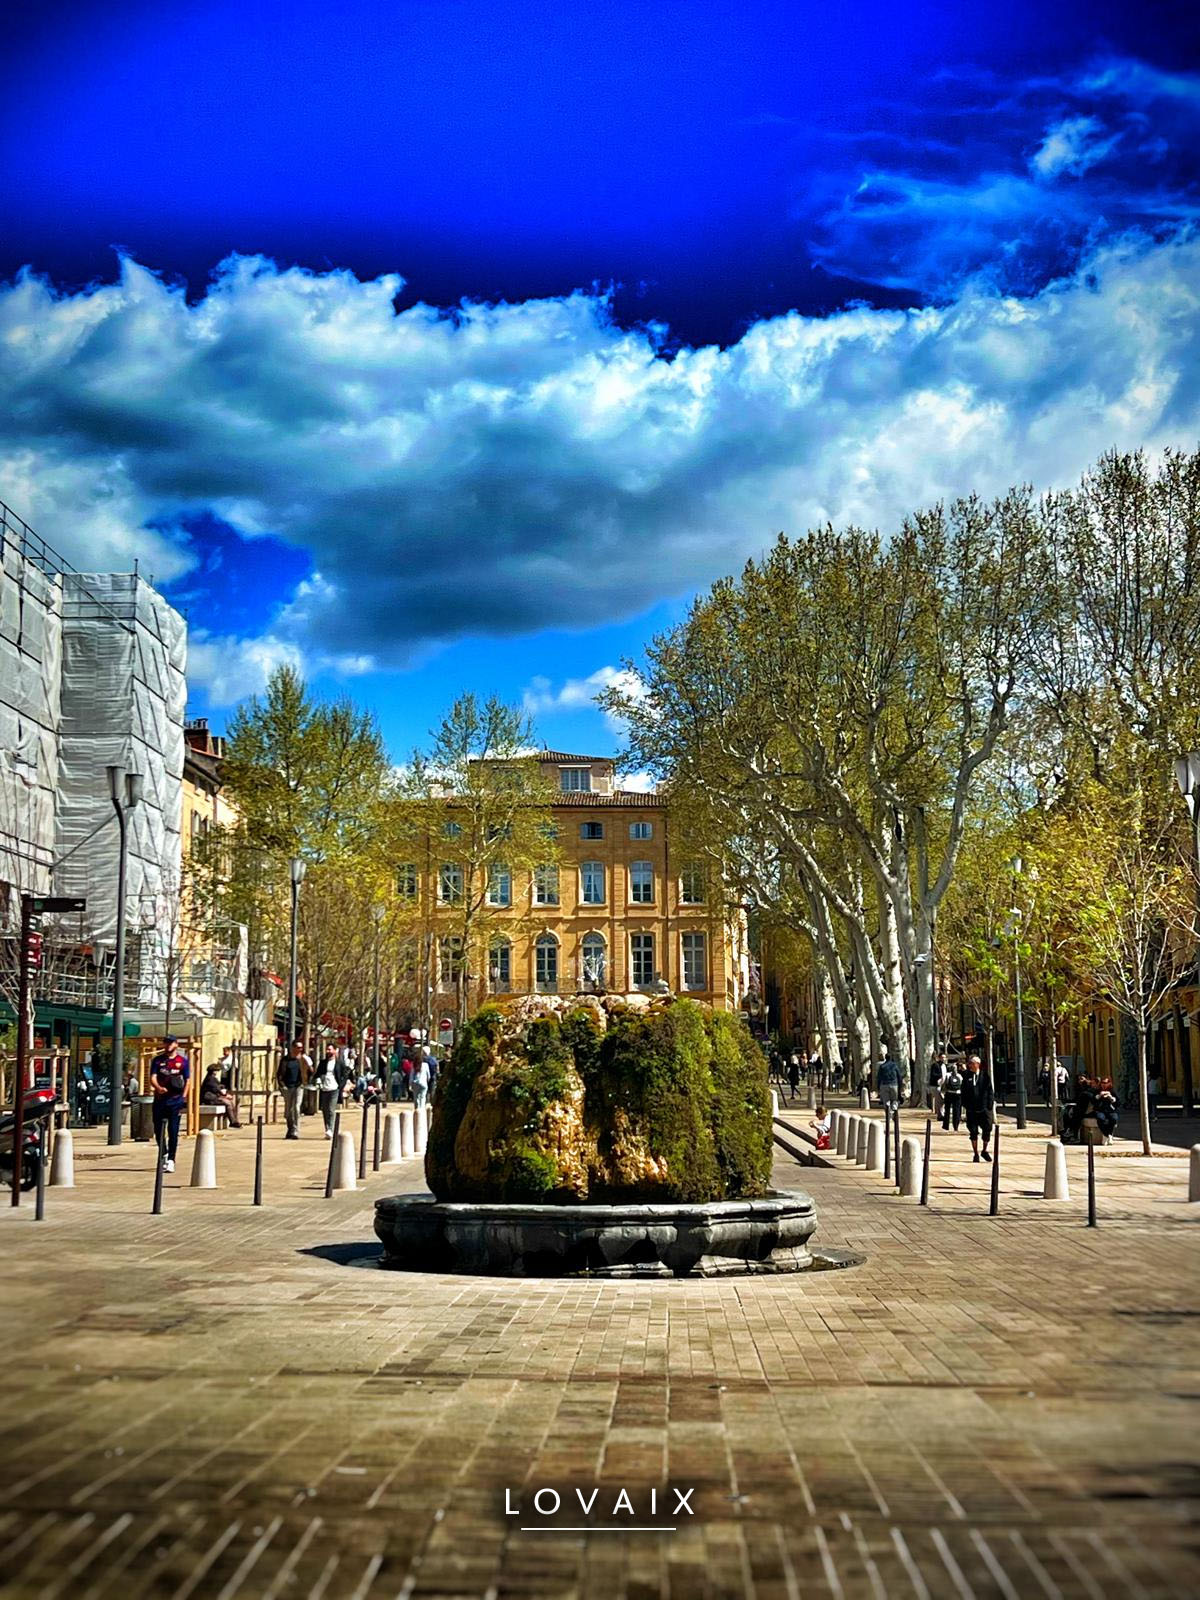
{"x":30,"y":661}
{"x":124,"y":653}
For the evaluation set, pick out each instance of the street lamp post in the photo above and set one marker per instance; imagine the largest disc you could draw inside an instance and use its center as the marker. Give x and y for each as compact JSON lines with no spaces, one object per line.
{"x":1187,"y":776}
{"x":126,"y":790}
{"x":1015,"y":919}
{"x":298,"y":870}
{"x":378,"y":914}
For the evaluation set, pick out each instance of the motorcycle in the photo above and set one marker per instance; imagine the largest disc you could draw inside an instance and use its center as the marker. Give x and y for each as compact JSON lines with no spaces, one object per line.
{"x":39,"y":1108}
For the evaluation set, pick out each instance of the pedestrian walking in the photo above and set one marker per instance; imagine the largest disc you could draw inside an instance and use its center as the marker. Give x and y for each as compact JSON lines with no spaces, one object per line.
{"x":888,"y":1079}
{"x":290,"y":1077}
{"x":169,"y":1075}
{"x":793,"y":1075}
{"x":1153,"y":1090}
{"x":347,"y":1068}
{"x":979,"y":1106}
{"x":328,"y":1089}
{"x":952,"y":1096}
{"x":420,"y":1081}
{"x":937,"y":1072}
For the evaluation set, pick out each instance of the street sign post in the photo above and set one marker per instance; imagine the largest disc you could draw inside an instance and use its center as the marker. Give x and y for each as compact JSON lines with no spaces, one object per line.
{"x":56,"y":902}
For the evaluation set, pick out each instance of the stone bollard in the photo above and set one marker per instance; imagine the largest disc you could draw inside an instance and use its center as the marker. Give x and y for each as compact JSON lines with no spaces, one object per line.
{"x":835,"y":1131}
{"x":343,"y":1162}
{"x":910,"y":1168}
{"x":860,"y":1148}
{"x":812,"y":1097}
{"x":204,"y":1161}
{"x":864,"y":1098}
{"x":1055,"y":1186}
{"x":850,"y":1132}
{"x":391,"y":1139}
{"x":421,"y":1129}
{"x":774,"y":1102}
{"x":1193,"y":1172}
{"x":62,"y":1162}
{"x":875,"y":1132}
{"x":407,"y":1135}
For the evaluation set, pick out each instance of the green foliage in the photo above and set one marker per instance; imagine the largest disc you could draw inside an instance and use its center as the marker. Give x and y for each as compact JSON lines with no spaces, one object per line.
{"x":656,"y":1065}
{"x":741,"y":1107}
{"x":675,"y":1107}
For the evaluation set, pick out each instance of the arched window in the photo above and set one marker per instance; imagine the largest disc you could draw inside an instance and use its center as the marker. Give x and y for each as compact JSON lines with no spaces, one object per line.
{"x":546,"y":958}
{"x":594,"y":960}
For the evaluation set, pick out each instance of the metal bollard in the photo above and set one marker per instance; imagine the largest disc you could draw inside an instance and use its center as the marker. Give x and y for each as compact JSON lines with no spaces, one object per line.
{"x":362,"y":1151}
{"x":896,"y":1142}
{"x":39,"y":1210}
{"x":258,"y":1162}
{"x":994,"y":1202}
{"x":925,"y":1164}
{"x":887,"y":1148}
{"x":1194,"y":1173}
{"x":378,"y":1135}
{"x":1091,"y":1150}
{"x":161,"y":1152}
{"x":333,"y":1144}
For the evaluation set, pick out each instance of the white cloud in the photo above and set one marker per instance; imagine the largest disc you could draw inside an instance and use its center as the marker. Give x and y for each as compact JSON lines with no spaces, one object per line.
{"x":578,"y":694}
{"x":637,"y":782}
{"x":1072,"y":145}
{"x":229,"y":669}
{"x":516,"y":466}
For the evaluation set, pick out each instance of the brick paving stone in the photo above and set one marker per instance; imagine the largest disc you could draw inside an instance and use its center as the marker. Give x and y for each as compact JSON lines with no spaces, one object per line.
{"x":227,"y":1401}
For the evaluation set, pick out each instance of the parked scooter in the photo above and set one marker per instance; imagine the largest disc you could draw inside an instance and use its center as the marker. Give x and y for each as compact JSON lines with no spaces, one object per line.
{"x":39,"y":1108}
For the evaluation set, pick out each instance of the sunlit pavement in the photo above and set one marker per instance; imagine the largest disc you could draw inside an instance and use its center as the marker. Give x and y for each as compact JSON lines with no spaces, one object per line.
{"x":224,"y":1400}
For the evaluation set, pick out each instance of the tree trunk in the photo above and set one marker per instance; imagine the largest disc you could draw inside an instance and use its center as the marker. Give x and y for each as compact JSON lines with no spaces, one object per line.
{"x":829,"y":1040}
{"x":1143,"y":1096}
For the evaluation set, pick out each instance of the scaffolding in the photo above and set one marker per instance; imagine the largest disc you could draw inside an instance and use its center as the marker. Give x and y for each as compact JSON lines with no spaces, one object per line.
{"x":91,"y":676}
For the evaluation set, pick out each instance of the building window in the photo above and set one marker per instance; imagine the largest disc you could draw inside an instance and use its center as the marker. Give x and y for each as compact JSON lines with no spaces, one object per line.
{"x":641,"y":947}
{"x":595,"y":960}
{"x":695,"y":961}
{"x":406,"y":964}
{"x":641,"y":830}
{"x":500,"y":966}
{"x":450,"y":884}
{"x":591,"y":830}
{"x":576,"y":780}
{"x":641,"y":883}
{"x":545,"y":886}
{"x":499,"y":886}
{"x":591,"y":880}
{"x":451,"y":830}
{"x":406,"y":881}
{"x":450,"y":962}
{"x":691,"y":885}
{"x":546,"y":955}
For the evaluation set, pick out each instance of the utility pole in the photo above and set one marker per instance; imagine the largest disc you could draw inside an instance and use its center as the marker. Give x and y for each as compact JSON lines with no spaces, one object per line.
{"x":126,"y":790}
{"x":297,"y":872}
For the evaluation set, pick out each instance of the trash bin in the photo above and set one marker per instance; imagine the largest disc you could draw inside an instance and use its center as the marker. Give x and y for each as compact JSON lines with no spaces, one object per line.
{"x":310,"y":1102}
{"x":141,"y":1117}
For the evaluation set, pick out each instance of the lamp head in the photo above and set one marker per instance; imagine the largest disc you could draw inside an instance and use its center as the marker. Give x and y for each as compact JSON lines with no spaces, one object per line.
{"x":1187,"y":774}
{"x":299,"y":868}
{"x":133,"y":788}
{"x":116,"y":782}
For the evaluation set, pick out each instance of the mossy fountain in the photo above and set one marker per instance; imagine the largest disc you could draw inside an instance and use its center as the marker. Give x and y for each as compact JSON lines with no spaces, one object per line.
{"x":620,"y":1137}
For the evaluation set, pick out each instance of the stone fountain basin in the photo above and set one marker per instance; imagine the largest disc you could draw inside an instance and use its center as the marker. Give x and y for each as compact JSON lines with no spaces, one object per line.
{"x":421,"y":1234}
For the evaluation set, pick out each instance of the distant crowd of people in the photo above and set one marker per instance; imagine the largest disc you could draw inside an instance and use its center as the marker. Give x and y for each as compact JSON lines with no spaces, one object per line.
{"x":341,"y":1077}
{"x":961,"y":1092}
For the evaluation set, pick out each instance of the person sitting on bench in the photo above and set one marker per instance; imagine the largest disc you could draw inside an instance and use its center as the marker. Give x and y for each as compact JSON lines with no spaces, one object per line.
{"x":214,"y":1093}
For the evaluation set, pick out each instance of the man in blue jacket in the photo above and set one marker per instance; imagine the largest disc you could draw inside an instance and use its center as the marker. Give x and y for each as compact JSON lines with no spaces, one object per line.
{"x":887,"y":1082}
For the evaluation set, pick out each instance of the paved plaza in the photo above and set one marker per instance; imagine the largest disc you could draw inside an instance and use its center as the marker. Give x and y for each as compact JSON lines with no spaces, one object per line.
{"x":228,"y":1401}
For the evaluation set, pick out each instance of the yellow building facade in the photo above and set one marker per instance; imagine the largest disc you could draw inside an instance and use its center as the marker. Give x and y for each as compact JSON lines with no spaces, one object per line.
{"x":622,"y":910}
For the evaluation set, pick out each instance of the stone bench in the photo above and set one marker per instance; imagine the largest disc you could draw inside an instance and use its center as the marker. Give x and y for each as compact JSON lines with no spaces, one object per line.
{"x":214,"y":1117}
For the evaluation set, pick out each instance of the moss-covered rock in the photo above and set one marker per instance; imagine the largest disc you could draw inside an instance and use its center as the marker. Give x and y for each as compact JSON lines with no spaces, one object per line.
{"x":543,"y":1102}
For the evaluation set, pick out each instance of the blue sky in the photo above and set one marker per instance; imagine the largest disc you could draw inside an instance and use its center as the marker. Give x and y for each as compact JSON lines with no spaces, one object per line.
{"x":442,"y":344}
